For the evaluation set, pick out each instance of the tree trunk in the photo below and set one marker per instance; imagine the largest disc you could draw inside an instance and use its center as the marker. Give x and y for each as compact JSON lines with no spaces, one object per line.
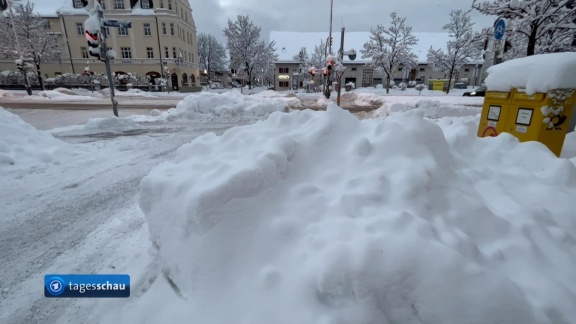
{"x":531,"y":43}
{"x":450,"y":79}
{"x":388,"y":78}
{"x":39,"y":76}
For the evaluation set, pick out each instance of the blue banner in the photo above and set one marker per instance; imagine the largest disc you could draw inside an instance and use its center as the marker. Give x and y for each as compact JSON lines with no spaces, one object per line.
{"x":87,"y":286}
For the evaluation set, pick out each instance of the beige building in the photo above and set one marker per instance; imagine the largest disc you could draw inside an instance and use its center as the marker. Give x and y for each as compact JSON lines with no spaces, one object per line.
{"x":289,"y":44}
{"x":162,"y":39}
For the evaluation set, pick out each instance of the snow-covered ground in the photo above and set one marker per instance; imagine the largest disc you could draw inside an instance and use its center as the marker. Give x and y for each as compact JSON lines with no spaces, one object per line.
{"x":301,"y":217}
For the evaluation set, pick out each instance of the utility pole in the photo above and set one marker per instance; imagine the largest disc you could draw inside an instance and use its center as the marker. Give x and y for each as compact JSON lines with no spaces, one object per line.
{"x":341,"y":57}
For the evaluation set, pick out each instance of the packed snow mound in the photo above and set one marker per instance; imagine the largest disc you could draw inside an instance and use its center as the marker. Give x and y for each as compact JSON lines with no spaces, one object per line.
{"x":227,"y":106}
{"x":59,"y":96}
{"x":65,"y":91}
{"x":368,"y":99}
{"x":6,"y":94}
{"x":290,"y":98}
{"x":428,"y":108}
{"x":111,"y":125}
{"x":23,"y":147}
{"x":318,"y":217}
{"x":537,"y":73}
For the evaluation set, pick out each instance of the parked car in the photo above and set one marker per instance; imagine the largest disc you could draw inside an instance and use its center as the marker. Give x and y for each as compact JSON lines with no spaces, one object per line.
{"x":460,"y":85}
{"x":478,"y":92}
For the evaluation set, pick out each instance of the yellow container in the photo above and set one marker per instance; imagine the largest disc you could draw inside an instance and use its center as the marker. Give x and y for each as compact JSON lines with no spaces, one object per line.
{"x":438,"y":85}
{"x":542,"y":117}
{"x":495,"y":113}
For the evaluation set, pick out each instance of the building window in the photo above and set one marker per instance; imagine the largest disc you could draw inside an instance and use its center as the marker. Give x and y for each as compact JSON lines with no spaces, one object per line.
{"x":150,"y":52}
{"x":174,"y":52}
{"x":169,"y":4}
{"x":166,"y":53}
{"x":367,"y":76}
{"x":162,"y":4}
{"x":84,"y":51}
{"x":145,"y":4}
{"x":164,"y":28}
{"x":172,"y":29}
{"x":126,"y":52}
{"x":80,"y":28}
{"x":422,"y":69}
{"x":283,"y":84}
{"x":400,"y":69}
{"x":466,"y":70}
{"x":78,"y":4}
{"x":122,"y":31}
{"x":118,"y":4}
{"x":147,"y":30}
{"x":354,"y":69}
{"x":103,"y":3}
{"x":283,"y":70}
{"x":106,"y":32}
{"x":47,"y":24}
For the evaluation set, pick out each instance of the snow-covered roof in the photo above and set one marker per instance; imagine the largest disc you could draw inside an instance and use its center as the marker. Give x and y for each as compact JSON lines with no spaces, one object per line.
{"x":289,"y":44}
{"x":67,"y":8}
{"x":537,"y":73}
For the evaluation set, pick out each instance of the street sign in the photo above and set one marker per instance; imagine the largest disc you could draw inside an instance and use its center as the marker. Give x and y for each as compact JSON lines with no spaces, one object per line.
{"x":499,"y":29}
{"x":116,"y":23}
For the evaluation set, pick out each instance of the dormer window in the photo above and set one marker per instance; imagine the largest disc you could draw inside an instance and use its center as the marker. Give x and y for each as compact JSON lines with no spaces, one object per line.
{"x":78,"y":4}
{"x":118,"y":4}
{"x":145,"y":4}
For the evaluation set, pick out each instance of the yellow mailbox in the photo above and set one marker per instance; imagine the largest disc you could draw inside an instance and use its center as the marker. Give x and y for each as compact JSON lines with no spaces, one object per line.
{"x":542,"y":117}
{"x":494,"y":113}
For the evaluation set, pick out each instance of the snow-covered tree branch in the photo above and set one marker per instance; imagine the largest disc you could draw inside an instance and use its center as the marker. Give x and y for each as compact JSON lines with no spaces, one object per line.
{"x":36,"y":43}
{"x":246,"y":50}
{"x":547,"y":25}
{"x":462,"y":47}
{"x":389,"y":47}
{"x":211,"y":54}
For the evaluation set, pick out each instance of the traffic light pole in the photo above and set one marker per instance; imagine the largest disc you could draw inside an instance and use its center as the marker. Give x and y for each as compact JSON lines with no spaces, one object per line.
{"x":104,"y":54}
{"x":341,"y":56}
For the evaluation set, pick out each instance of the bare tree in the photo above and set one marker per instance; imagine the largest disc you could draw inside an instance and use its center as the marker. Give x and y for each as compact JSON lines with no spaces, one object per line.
{"x":36,"y":43}
{"x":460,"y":49}
{"x":211,"y":54}
{"x":389,"y":47}
{"x":546,"y":24}
{"x":246,"y":49}
{"x":318,"y":58}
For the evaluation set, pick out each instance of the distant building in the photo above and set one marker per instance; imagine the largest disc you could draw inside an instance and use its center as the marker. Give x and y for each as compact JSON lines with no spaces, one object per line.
{"x":163,"y":33}
{"x":288,"y":44}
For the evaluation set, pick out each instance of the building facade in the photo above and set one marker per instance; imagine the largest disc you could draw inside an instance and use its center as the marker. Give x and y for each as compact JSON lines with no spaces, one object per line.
{"x":161,"y":42}
{"x":289,"y":44}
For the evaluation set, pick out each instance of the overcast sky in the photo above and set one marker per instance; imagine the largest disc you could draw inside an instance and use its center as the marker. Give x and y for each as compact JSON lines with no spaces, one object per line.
{"x":211,"y":16}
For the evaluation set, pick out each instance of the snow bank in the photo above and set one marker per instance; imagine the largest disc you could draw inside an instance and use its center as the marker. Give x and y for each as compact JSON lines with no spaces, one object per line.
{"x":6,"y":94}
{"x":59,"y":96}
{"x":318,"y":217}
{"x":227,"y":106}
{"x":23,"y":147}
{"x":112,"y":125}
{"x":428,"y":108}
{"x":537,"y":73}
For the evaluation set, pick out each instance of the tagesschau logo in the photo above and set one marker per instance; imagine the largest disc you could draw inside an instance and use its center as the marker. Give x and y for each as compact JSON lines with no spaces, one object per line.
{"x":86,"y":286}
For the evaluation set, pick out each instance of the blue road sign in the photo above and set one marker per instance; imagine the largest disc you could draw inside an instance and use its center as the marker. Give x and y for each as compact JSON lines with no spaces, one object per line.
{"x":499,"y":29}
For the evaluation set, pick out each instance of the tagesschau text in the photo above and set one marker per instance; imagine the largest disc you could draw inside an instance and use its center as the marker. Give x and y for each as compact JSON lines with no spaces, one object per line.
{"x":87,"y":286}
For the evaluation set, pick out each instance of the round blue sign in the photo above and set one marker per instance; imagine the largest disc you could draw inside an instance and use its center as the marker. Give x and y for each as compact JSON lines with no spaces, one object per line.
{"x":499,"y":29}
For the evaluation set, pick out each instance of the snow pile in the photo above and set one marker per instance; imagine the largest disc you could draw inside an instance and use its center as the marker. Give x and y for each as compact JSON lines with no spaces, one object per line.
{"x":6,"y":94}
{"x":112,"y":125}
{"x":290,"y":98}
{"x":59,"y":96}
{"x":23,"y":147}
{"x":428,"y":108}
{"x":229,"y":106}
{"x":138,"y":10}
{"x":318,"y":217}
{"x":537,"y":73}
{"x":368,"y":99}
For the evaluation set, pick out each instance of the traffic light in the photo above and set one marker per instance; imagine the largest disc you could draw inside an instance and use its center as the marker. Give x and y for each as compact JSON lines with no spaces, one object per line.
{"x":324,"y":72}
{"x":20,"y":65}
{"x":93,"y":45}
{"x":330,"y":41}
{"x":3,"y":5}
{"x":329,"y":64}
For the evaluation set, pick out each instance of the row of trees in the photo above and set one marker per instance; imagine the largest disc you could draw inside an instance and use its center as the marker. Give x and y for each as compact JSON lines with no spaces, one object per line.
{"x":247,"y":52}
{"x":534,"y":26}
